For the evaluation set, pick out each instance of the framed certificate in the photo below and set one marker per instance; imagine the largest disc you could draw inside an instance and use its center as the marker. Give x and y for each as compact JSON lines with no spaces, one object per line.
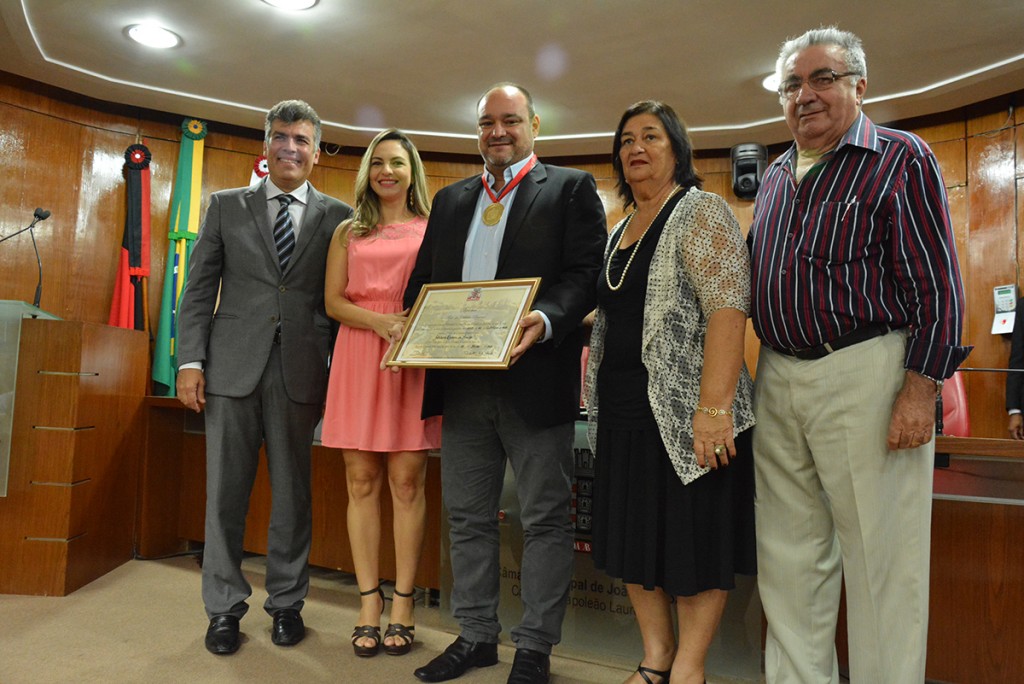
{"x":464,"y":325}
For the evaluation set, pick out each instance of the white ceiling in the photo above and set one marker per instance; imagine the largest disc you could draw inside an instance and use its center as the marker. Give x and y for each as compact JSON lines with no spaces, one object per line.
{"x":421,"y":64}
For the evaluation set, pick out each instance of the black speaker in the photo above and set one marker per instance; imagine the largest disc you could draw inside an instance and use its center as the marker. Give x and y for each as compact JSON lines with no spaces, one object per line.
{"x":748,"y":164}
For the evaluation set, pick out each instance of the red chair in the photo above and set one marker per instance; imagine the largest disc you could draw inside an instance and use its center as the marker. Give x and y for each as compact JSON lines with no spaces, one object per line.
{"x":956,"y":421}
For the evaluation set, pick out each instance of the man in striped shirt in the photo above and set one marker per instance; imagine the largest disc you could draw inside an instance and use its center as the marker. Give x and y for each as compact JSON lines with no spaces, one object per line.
{"x":858,"y":303}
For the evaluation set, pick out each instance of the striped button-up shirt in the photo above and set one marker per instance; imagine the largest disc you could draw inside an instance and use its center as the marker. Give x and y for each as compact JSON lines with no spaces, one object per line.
{"x":863,"y":238}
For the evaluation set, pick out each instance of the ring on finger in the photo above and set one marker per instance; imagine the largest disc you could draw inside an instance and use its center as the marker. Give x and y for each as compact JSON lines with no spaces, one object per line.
{"x":719,"y":449}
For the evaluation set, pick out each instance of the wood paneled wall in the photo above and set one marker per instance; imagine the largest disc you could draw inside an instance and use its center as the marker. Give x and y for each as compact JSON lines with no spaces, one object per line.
{"x":63,"y":152}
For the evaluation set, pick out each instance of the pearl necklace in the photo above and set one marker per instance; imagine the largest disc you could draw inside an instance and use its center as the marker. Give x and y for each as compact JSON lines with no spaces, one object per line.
{"x":636,"y":246}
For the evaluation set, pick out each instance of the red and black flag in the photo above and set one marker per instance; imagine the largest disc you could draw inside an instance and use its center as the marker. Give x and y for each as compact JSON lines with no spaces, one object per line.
{"x":128,"y":308}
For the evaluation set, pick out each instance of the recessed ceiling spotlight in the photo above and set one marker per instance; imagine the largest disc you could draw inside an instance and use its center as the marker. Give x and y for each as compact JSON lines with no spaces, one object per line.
{"x":291,"y":4}
{"x":771,"y":82}
{"x":154,"y":36}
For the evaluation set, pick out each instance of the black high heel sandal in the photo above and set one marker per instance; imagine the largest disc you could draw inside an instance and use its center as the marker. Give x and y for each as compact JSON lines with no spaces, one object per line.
{"x":644,"y":671}
{"x":368,"y":631}
{"x":407,"y":634}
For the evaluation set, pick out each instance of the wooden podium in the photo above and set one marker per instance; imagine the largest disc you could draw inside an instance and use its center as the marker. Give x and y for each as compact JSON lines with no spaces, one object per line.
{"x":69,"y":510}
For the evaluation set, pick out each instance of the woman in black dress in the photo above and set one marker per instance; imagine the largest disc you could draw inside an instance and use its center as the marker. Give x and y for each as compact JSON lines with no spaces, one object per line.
{"x":669,"y":398}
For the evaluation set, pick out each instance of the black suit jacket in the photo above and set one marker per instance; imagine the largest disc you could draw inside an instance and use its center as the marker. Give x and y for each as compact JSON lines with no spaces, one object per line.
{"x":1015,"y":381}
{"x":556,"y":230}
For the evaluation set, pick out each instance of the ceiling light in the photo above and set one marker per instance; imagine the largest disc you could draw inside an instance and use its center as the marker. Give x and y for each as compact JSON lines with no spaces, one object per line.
{"x":291,"y":4}
{"x":771,"y":82}
{"x":154,"y":36}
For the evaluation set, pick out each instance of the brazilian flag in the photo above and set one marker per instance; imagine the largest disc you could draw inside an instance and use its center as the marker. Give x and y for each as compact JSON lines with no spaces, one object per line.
{"x":184,"y":227}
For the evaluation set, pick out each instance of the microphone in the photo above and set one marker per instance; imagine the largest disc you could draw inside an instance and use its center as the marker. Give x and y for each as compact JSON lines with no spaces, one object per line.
{"x":39,"y":284}
{"x":38,"y":215}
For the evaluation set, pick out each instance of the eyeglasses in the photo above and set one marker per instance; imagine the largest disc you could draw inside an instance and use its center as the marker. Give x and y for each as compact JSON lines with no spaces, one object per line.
{"x":818,"y":81}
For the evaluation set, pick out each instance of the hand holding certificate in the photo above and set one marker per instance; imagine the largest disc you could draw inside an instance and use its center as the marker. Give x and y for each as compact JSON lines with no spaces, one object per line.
{"x":465,"y":325}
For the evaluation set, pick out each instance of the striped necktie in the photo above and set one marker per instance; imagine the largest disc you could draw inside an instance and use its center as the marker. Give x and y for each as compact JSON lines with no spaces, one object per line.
{"x":284,"y":235}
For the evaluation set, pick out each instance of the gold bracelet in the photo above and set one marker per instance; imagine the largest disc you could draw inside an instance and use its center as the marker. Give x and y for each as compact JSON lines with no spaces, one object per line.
{"x":712,"y":411}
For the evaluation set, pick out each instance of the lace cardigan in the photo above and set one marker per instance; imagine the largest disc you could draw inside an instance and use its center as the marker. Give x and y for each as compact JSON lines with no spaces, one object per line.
{"x":700,"y":265}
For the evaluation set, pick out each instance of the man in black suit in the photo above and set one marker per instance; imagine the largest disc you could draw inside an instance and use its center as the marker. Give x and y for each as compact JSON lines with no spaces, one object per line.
{"x":1015,"y":381}
{"x":522,"y":219}
{"x":253,"y":350}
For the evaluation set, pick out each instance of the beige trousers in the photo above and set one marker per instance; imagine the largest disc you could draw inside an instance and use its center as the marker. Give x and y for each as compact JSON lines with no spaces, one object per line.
{"x":833,"y":501}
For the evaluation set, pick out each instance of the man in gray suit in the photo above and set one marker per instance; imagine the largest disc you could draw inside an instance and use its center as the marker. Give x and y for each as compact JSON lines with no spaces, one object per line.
{"x":257,"y":362}
{"x":521,"y":219}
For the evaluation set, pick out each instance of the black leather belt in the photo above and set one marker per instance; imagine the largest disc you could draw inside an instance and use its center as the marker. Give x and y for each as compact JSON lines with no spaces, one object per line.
{"x":857,"y":336}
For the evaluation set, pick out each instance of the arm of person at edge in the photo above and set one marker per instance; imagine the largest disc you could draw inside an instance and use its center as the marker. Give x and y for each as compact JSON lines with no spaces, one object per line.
{"x":723,"y":358}
{"x":1016,"y":426}
{"x":1015,"y":381}
{"x":196,"y":308}
{"x":574,"y":295}
{"x":927,"y":271}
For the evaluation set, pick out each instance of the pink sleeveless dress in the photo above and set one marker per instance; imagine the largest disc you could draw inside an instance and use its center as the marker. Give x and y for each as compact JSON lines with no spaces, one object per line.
{"x":367,"y":408}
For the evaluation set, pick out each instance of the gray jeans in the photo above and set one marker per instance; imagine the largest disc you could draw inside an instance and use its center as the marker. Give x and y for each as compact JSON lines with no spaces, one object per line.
{"x":481,"y":430}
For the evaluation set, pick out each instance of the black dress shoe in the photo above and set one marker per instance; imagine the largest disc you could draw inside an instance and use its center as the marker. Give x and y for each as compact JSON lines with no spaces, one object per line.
{"x":456,"y":659}
{"x":530,"y":667}
{"x":222,"y":635}
{"x":288,"y":629}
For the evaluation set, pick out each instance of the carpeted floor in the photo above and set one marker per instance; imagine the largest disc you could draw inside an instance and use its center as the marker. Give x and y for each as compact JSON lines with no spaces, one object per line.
{"x":144,"y":622}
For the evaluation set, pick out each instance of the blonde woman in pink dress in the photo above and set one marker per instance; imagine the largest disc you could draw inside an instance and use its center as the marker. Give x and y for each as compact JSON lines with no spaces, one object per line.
{"x":373,"y":416}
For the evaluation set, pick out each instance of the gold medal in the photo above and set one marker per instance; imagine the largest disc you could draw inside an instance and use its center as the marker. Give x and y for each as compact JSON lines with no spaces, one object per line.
{"x":492,"y":214}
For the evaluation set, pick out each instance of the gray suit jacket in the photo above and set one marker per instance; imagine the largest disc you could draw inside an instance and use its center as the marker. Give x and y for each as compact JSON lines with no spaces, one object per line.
{"x":235,"y":255}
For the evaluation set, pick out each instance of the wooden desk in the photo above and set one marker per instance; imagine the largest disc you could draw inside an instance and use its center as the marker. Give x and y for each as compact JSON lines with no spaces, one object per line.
{"x":975,"y":625}
{"x":977,"y":447}
{"x":172,"y":499}
{"x":69,"y":511}
{"x":977,"y":575}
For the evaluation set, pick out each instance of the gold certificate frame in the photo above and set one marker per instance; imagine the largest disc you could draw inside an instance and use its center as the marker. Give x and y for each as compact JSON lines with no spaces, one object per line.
{"x":464,"y":325}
